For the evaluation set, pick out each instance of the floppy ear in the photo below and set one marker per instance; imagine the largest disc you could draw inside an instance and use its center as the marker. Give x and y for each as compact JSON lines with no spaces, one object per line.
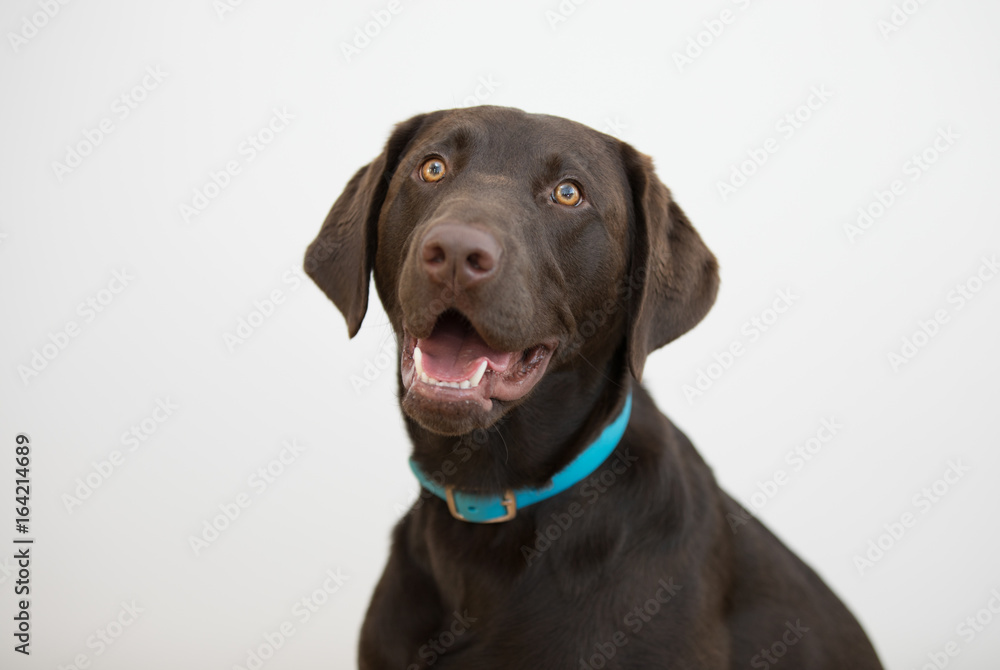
{"x":341,"y":257}
{"x":674,"y":277}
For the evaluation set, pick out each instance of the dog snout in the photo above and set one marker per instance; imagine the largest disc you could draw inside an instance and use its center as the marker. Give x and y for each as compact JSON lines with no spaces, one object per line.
{"x":460,"y":255}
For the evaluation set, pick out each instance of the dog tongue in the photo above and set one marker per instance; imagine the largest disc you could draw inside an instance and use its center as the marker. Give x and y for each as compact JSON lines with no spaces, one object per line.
{"x":454,"y":350}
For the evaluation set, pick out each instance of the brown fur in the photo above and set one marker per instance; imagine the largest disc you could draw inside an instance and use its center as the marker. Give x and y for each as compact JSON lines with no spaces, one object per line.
{"x":610,"y":282}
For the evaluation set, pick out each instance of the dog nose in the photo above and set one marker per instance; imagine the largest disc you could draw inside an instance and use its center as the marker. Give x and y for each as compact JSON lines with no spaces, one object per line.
{"x":465,"y":255}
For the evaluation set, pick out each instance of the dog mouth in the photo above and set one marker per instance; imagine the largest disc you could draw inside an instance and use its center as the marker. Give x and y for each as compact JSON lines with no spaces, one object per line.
{"x":455,"y":364}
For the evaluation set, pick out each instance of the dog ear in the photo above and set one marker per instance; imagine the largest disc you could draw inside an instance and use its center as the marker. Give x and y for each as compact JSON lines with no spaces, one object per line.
{"x":673,"y":276}
{"x":341,"y":258}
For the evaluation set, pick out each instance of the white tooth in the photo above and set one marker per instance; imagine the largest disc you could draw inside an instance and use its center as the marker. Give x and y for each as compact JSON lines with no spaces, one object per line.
{"x":418,"y":362}
{"x":478,"y":375}
{"x":465,"y":384}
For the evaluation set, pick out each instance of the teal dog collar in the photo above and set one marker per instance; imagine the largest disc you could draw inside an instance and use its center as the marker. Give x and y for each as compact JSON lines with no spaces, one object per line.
{"x":478,"y":508}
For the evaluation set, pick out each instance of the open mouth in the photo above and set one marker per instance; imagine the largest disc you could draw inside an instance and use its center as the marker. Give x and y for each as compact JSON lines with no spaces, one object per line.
{"x":454,"y":364}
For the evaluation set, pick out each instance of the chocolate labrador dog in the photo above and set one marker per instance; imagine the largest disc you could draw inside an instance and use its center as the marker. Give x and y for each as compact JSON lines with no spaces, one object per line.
{"x":528,"y":265}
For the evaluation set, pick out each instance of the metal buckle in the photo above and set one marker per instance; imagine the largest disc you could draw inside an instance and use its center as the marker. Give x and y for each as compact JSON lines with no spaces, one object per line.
{"x":509,"y":503}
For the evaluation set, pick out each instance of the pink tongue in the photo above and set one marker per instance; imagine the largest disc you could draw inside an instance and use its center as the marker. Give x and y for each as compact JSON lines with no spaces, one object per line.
{"x":454,"y":351}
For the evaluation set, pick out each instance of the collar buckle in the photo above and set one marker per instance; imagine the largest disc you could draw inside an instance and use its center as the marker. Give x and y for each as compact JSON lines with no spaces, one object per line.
{"x":509,"y":503}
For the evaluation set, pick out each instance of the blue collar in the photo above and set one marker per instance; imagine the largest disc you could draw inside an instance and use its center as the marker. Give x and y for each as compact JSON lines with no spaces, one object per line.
{"x":479,"y":508}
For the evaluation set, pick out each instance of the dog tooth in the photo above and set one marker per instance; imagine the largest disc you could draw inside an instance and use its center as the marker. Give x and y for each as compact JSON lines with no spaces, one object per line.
{"x":418,"y":366}
{"x":418,"y":362}
{"x":477,"y":375}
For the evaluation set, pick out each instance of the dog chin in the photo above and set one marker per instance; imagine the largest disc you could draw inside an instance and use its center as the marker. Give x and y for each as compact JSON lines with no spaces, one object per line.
{"x":449,"y":417}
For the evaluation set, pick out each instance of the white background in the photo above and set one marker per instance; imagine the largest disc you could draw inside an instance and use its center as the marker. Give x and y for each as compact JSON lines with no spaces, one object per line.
{"x":609,"y":65}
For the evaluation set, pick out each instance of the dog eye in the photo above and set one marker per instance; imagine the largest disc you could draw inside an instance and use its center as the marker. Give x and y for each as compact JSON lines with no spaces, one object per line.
{"x":567,"y":193}
{"x":432,"y":170}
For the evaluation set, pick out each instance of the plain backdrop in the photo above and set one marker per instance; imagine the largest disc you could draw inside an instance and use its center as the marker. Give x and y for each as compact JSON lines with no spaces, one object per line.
{"x":157,"y":102}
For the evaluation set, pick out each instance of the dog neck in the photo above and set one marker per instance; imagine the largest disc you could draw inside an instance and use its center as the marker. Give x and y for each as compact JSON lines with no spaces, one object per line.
{"x":527,"y":447}
{"x":485,"y":508}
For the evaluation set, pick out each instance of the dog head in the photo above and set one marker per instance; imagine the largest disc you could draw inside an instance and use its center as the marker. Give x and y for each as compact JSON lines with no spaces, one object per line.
{"x":509,"y":248}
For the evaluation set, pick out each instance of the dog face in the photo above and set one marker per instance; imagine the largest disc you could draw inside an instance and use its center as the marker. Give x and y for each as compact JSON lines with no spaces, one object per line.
{"x":495,"y":238}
